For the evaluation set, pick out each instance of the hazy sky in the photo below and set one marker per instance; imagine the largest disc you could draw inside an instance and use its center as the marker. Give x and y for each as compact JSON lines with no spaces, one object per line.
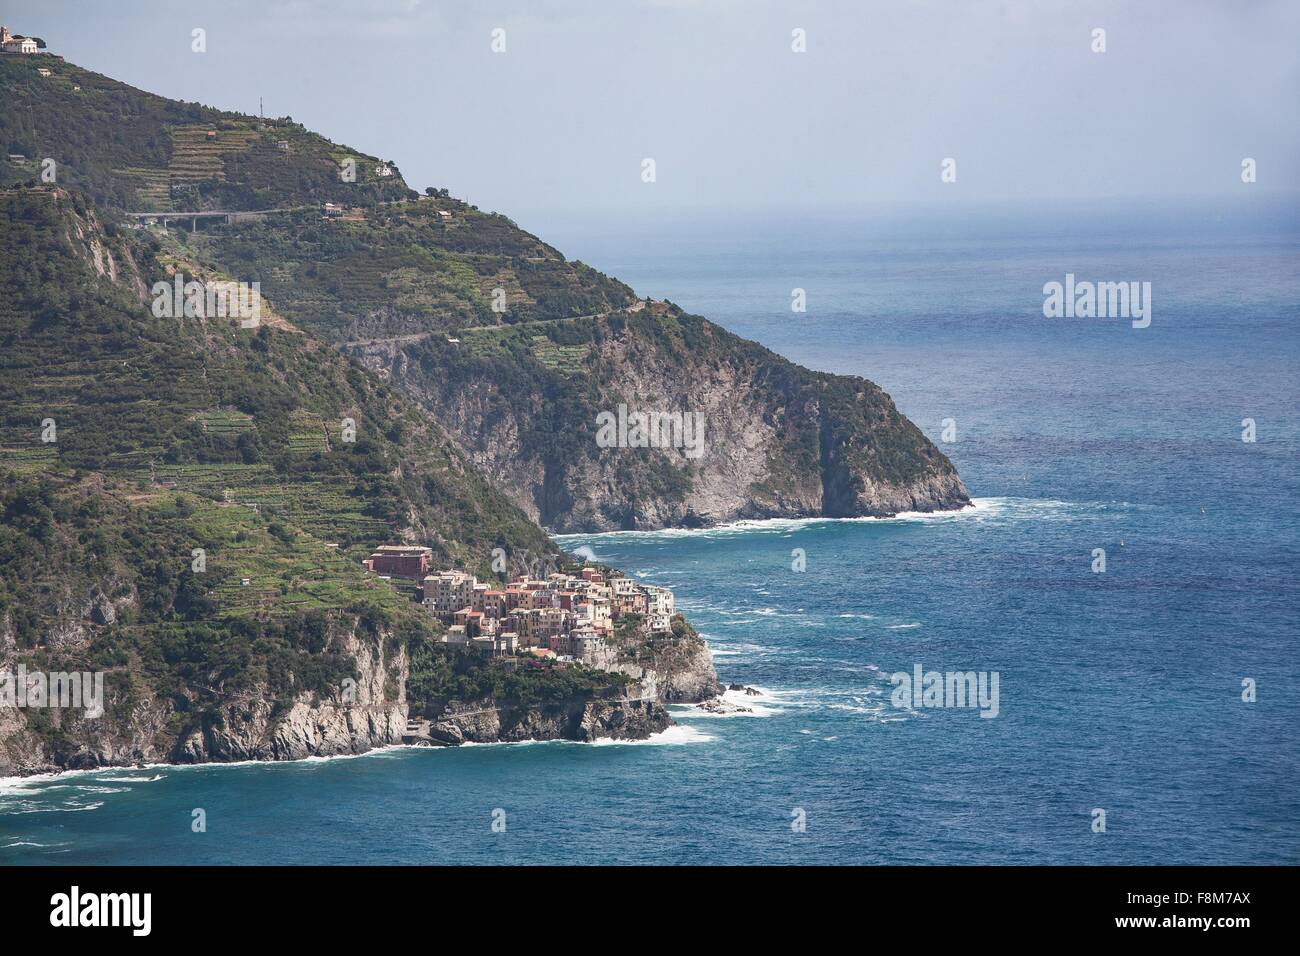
{"x":559,"y":123}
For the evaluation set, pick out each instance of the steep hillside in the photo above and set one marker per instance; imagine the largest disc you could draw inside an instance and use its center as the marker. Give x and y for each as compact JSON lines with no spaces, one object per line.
{"x":774,"y":439}
{"x":182,"y":510}
{"x":251,"y":416}
{"x":134,"y":151}
{"x":514,"y":349}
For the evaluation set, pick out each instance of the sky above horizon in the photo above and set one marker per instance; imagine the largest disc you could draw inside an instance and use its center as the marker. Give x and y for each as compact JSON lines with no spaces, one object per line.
{"x":559,"y":124}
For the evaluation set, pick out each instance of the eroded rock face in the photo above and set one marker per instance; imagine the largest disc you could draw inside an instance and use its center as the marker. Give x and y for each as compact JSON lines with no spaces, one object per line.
{"x":487,"y":721}
{"x":778,"y":439}
{"x":311,"y":727}
{"x":679,"y":675}
{"x":135,"y":728}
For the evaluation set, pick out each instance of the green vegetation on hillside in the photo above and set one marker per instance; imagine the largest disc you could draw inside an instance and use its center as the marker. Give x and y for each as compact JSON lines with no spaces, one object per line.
{"x":406,"y":268}
{"x":134,"y":151}
{"x":250,"y":417}
{"x":194,"y":525}
{"x":396,"y":276}
{"x":444,"y":676}
{"x":161,"y":631}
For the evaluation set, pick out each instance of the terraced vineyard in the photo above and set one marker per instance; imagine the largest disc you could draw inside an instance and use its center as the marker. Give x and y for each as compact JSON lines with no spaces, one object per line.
{"x":199,"y":152}
{"x":284,"y":575}
{"x":198,"y":155}
{"x":309,"y":435}
{"x":30,"y":460}
{"x":252,"y":420}
{"x":403,"y":270}
{"x":151,"y":185}
{"x":225,"y":423}
{"x":566,"y":359}
{"x":136,"y":152}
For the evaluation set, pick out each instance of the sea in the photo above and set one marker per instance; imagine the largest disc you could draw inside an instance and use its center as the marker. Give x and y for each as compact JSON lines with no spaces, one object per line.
{"x":1146,"y":707}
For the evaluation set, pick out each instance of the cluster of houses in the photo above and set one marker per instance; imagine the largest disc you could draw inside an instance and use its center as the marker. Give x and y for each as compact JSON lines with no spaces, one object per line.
{"x":567,"y":616}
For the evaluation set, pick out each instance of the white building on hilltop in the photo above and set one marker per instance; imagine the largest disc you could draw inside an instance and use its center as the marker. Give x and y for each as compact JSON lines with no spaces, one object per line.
{"x":10,"y":43}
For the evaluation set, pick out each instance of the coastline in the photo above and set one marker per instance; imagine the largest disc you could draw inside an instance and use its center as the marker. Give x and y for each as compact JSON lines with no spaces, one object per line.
{"x":13,"y":784}
{"x":982,"y":505}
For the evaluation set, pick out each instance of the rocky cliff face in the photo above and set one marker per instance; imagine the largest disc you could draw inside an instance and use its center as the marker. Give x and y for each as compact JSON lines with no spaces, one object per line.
{"x":139,"y":725}
{"x":253,"y":728}
{"x":680,"y":674}
{"x":580,"y":719}
{"x":777,"y":440}
{"x":356,"y":719}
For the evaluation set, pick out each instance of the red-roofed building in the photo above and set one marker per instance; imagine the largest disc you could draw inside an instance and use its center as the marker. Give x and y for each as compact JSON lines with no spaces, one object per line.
{"x":400,"y":561}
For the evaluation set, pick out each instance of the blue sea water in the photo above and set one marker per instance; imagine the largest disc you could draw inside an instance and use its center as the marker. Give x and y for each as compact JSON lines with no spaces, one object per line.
{"x":1120,"y":691}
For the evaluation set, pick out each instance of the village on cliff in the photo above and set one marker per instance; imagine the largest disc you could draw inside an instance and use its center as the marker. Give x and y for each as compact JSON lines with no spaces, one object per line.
{"x":569,"y":617}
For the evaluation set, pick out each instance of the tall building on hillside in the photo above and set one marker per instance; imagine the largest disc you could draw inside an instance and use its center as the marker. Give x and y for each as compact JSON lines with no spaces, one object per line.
{"x":449,"y":591}
{"x":400,"y":560}
{"x":661,"y":607}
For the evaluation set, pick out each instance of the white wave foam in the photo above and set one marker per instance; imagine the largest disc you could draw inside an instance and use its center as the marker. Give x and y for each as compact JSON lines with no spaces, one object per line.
{"x":765,"y":703}
{"x":979,"y":509}
{"x":778,"y":525}
{"x":732,"y":650}
{"x":675,"y":736}
{"x":762,"y":705}
{"x":40,"y":783}
{"x":672,"y":736}
{"x":28,"y":807}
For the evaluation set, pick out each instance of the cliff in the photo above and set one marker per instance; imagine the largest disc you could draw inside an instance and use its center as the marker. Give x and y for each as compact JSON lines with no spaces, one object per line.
{"x":676,"y":668}
{"x":180,"y":513}
{"x":152,"y":717}
{"x":579,"y":719}
{"x":528,"y":700}
{"x":142,"y":724}
{"x":773,"y":439}
{"x":186,"y":499}
{"x":512,"y":348}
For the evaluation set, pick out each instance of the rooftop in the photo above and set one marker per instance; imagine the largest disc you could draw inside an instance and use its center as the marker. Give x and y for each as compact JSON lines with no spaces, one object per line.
{"x":403,"y":549}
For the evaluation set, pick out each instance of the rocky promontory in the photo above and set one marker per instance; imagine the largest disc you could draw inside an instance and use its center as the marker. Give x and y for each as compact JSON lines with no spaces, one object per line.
{"x":579,"y":719}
